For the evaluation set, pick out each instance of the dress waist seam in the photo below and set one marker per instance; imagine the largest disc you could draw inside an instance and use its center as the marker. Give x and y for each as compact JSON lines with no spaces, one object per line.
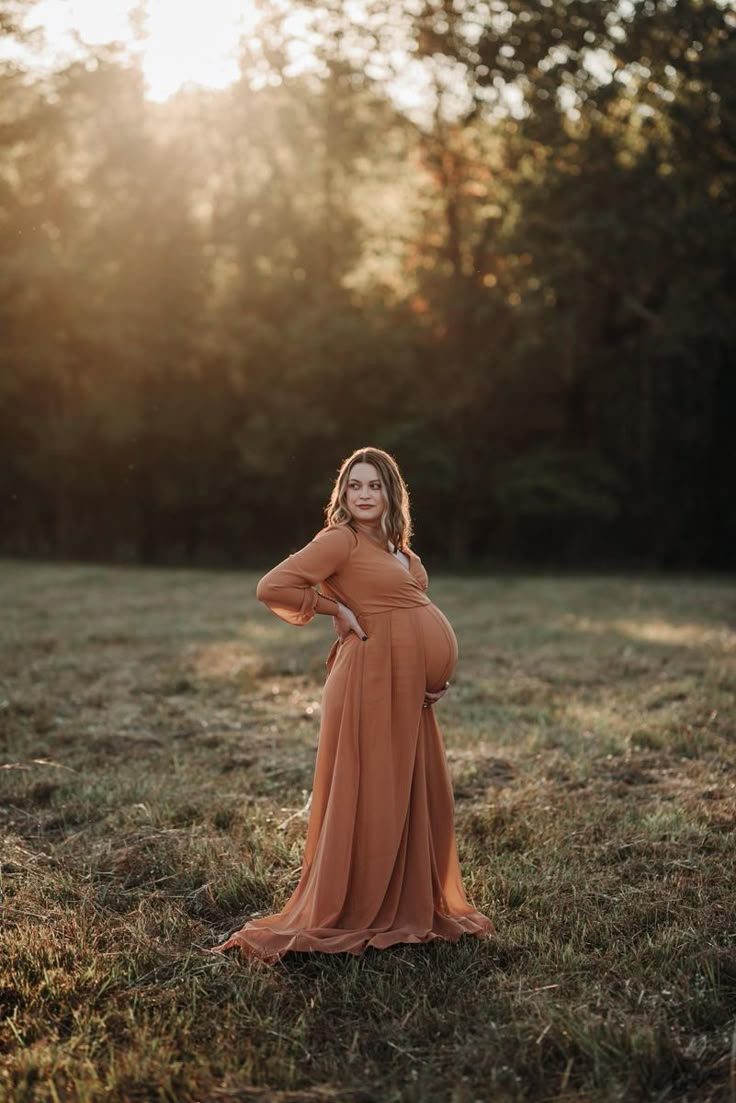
{"x":393,"y":609}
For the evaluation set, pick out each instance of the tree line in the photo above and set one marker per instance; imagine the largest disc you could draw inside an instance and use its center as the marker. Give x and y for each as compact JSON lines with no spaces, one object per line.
{"x":523,"y":288}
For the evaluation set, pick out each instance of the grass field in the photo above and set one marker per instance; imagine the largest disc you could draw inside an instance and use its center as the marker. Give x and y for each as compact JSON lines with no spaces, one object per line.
{"x":159,"y":729}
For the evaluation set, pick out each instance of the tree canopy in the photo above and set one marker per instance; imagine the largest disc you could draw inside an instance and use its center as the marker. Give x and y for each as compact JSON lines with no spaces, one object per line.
{"x":523,"y":289}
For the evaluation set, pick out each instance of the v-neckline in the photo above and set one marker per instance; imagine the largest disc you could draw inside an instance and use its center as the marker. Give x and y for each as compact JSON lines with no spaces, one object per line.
{"x":387,"y":551}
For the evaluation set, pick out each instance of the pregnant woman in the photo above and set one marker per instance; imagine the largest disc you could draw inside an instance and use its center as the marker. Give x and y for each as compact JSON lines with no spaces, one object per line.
{"x":380,"y":860}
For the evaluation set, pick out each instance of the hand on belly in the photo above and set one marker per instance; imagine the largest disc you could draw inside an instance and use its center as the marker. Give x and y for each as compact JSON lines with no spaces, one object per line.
{"x":433,"y":698}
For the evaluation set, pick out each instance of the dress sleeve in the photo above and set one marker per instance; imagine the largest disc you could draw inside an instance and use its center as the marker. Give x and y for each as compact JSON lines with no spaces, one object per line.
{"x":288,"y":589}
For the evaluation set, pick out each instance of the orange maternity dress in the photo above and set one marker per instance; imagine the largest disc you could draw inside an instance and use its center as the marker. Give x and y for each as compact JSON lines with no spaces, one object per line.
{"x":380,"y":861}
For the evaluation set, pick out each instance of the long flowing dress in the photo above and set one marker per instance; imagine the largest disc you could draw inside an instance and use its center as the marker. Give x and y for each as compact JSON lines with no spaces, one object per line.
{"x":380,"y":862}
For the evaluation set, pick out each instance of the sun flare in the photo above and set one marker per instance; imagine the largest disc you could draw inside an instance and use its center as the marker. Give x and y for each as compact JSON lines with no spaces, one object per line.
{"x":178,"y":43}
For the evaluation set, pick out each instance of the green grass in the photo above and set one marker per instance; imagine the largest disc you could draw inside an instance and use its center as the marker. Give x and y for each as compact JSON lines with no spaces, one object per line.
{"x":159,"y":729}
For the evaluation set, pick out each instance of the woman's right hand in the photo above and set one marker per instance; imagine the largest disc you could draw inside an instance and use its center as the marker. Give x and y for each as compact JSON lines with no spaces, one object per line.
{"x":345,"y":622}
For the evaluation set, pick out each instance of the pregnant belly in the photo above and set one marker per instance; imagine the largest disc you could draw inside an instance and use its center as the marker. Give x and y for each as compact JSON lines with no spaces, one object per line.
{"x":419,"y":640}
{"x":440,"y":647}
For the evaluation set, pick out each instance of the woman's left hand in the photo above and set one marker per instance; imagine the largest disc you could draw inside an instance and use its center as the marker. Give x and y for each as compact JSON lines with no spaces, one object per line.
{"x":431,"y":698}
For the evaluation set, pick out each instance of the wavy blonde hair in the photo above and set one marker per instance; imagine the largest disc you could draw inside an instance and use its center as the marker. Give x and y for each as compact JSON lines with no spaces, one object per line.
{"x":396,"y":516}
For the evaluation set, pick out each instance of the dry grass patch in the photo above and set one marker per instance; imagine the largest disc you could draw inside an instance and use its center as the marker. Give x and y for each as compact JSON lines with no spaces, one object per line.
{"x":158,"y":735}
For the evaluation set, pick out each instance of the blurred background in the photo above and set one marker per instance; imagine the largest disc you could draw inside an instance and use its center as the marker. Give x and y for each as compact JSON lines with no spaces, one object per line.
{"x":240,"y":239}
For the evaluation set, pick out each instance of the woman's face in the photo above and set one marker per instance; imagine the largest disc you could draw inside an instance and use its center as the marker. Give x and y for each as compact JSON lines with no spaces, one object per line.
{"x":365,"y":496}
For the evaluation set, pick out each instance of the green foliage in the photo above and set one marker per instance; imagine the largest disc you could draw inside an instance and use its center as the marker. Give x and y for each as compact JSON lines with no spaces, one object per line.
{"x":555,"y":484}
{"x":525,"y":290}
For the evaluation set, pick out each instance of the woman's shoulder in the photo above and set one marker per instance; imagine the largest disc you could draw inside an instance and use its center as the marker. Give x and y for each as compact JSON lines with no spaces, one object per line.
{"x":341,"y":533}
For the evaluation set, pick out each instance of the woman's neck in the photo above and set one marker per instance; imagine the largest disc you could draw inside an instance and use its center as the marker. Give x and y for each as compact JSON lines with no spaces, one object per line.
{"x":372,"y":531}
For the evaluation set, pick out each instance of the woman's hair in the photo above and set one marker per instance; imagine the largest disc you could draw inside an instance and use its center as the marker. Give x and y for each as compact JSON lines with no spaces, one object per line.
{"x":396,"y":518}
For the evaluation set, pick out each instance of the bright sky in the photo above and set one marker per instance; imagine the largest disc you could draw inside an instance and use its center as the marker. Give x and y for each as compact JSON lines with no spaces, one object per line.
{"x":183,"y":40}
